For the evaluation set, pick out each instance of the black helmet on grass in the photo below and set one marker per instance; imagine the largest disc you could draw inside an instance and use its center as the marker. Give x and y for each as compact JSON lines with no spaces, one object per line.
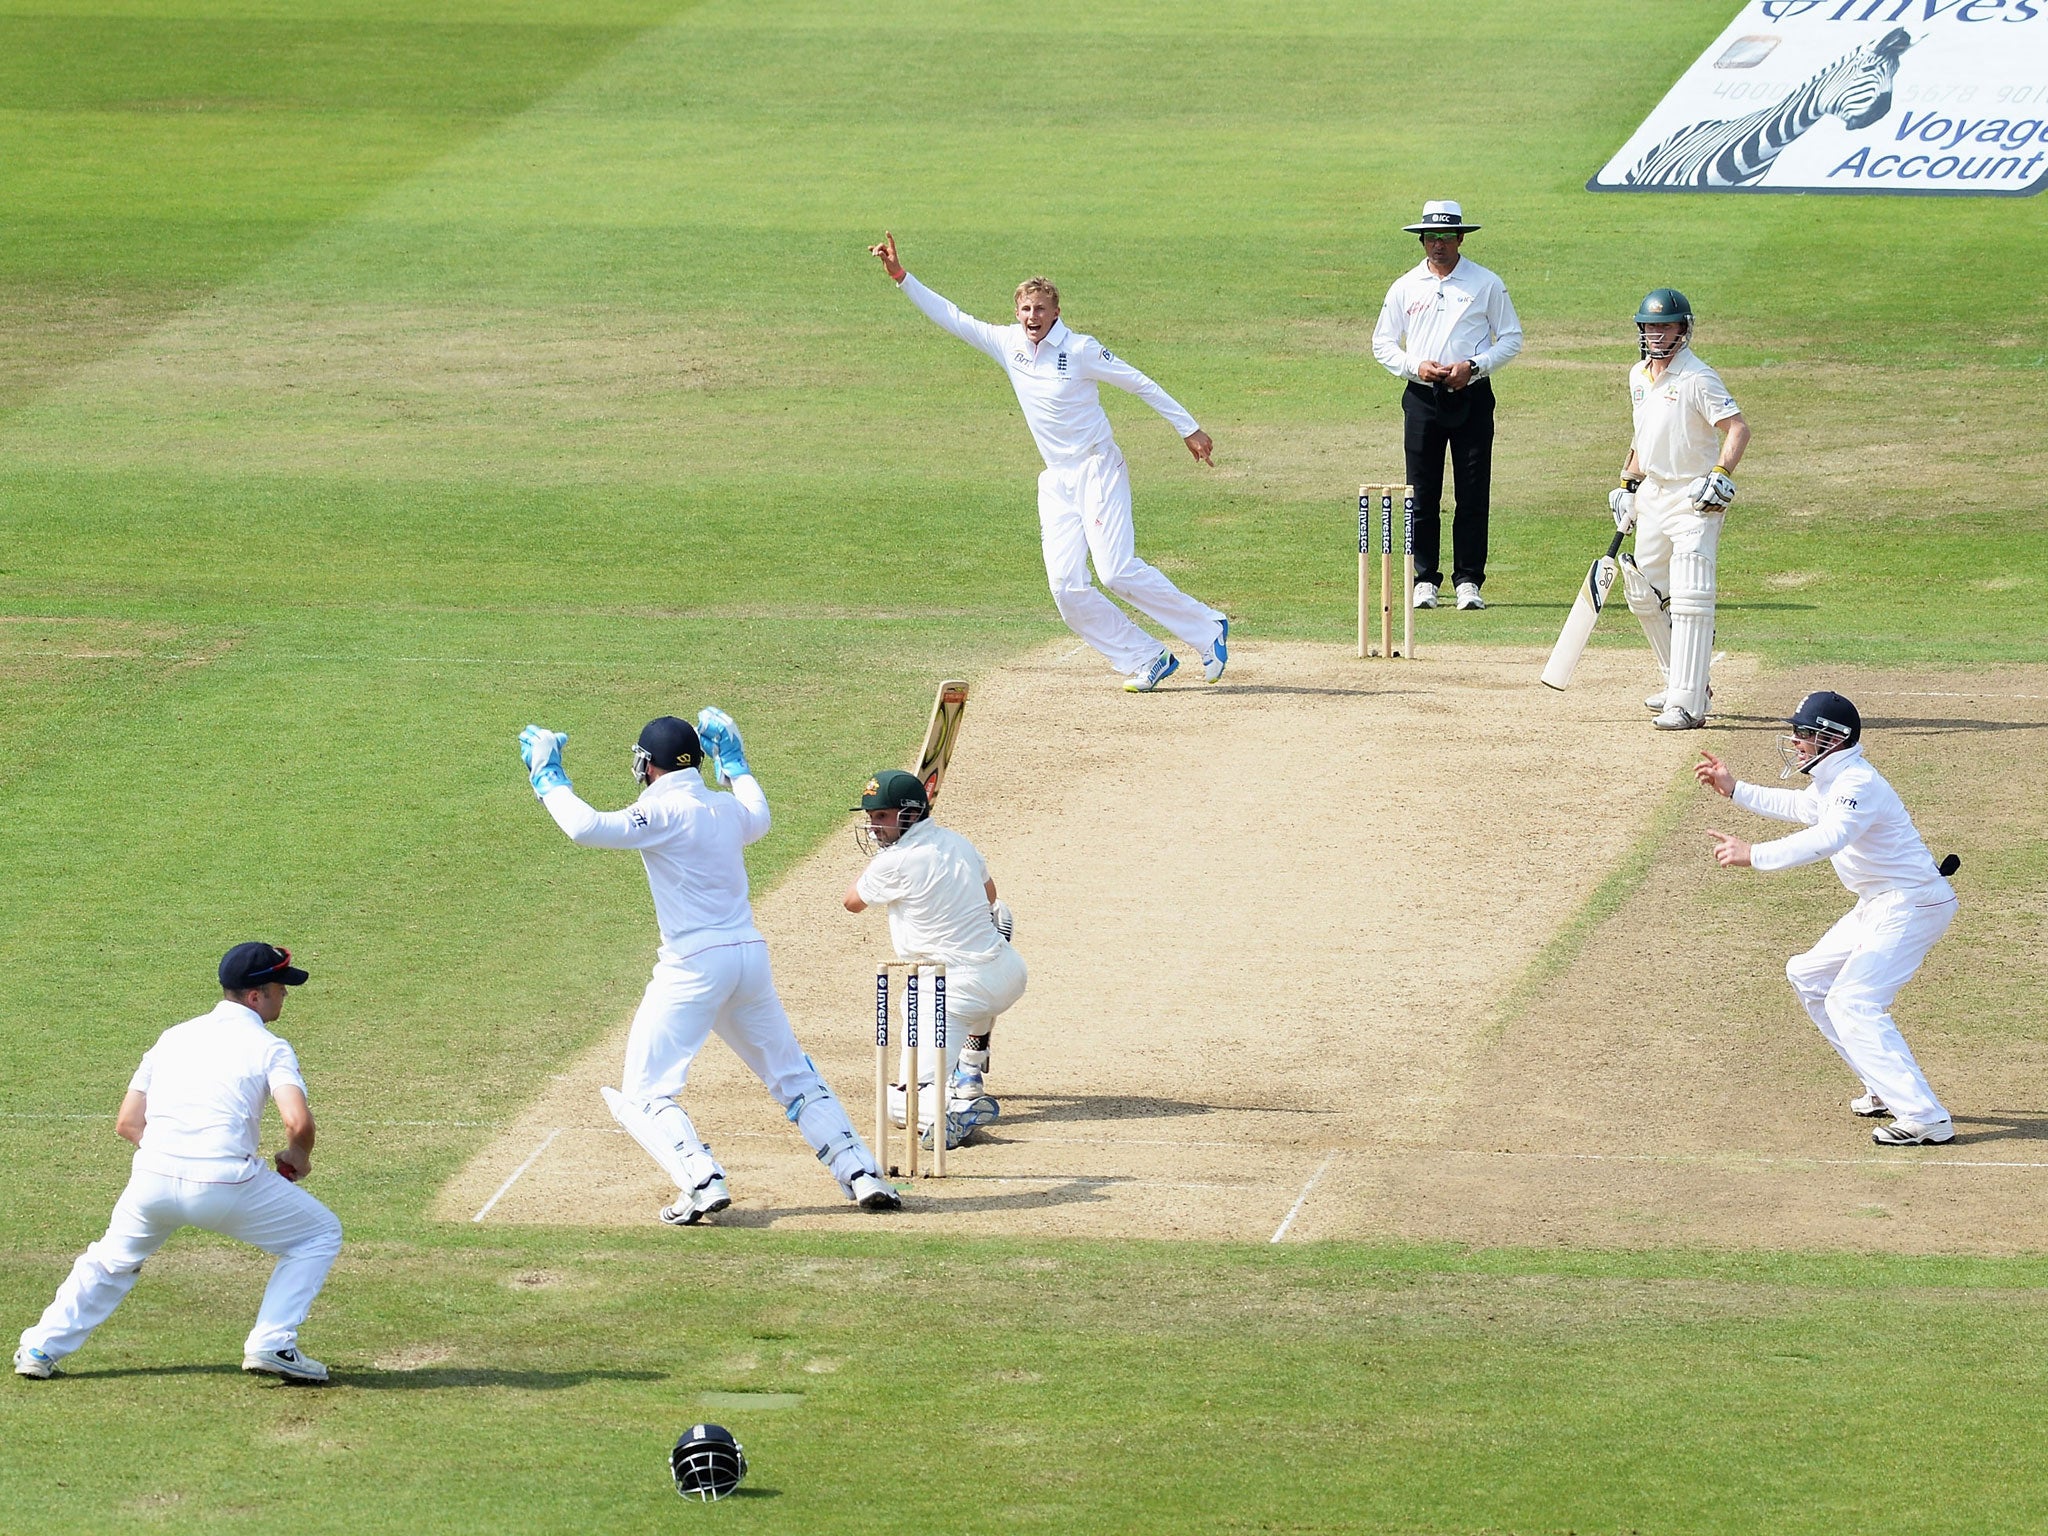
{"x":707,"y":1462}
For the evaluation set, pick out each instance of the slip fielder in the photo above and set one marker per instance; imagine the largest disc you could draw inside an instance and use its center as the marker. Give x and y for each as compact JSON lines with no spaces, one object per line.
{"x":194,"y":1110}
{"x":1903,"y":905}
{"x":942,"y":906}
{"x":1676,"y":486}
{"x":1084,"y":495}
{"x":712,"y":972}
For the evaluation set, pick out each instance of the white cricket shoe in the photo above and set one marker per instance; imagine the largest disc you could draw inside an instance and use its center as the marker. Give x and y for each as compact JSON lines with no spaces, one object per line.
{"x":286,"y":1363}
{"x":1901,"y":1133}
{"x":1425,"y":594}
{"x":707,"y":1199}
{"x":1676,"y":719}
{"x":33,"y":1363}
{"x":1163,"y":666}
{"x":1217,"y":658}
{"x":871,"y":1192}
{"x":1469,"y":599}
{"x":1869,"y":1106}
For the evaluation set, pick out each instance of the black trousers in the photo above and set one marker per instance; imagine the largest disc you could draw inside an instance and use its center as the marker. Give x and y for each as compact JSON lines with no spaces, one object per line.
{"x":1432,"y":420}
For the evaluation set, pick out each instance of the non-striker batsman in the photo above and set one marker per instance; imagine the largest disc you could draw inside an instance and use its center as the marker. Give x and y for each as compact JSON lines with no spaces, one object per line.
{"x":1676,"y":486}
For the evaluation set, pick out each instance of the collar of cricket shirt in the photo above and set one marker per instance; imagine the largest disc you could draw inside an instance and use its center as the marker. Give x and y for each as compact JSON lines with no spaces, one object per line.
{"x":1055,"y":339}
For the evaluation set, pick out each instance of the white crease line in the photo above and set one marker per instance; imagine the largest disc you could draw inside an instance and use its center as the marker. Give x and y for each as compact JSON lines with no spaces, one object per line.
{"x":1302,"y":1199}
{"x":502,"y":1188}
{"x":1077,"y":650}
{"x":1894,"y":693}
{"x":339,"y":1120}
{"x":1683,"y":1161}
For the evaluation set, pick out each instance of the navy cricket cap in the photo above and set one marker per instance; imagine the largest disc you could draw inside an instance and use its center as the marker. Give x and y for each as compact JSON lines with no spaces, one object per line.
{"x":256,"y":963}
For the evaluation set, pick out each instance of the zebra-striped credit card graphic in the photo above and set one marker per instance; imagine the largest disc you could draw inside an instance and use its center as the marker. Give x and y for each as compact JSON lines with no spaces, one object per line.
{"x":1946,"y":97}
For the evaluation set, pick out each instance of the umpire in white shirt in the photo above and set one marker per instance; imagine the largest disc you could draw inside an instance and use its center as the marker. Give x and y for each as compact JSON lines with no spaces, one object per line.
{"x":194,"y":1110}
{"x":1447,"y":327}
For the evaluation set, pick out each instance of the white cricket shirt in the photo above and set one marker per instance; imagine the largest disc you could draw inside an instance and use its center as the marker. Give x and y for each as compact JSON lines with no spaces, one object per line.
{"x":1676,"y":417}
{"x":1853,"y":817}
{"x":1055,"y":379}
{"x":207,"y":1081}
{"x":689,"y":836}
{"x":934,"y":885}
{"x":1463,"y":316}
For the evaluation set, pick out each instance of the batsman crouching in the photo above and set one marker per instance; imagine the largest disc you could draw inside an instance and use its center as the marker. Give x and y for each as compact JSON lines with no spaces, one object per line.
{"x":712,"y":973}
{"x":1904,"y":904}
{"x":943,"y":909}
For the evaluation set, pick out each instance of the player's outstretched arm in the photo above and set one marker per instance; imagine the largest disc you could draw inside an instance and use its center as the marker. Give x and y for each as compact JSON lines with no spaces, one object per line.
{"x":938,"y":309}
{"x":541,"y":750}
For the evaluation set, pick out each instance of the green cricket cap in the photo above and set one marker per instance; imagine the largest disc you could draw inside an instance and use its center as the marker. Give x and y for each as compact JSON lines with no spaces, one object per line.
{"x":894,"y":789}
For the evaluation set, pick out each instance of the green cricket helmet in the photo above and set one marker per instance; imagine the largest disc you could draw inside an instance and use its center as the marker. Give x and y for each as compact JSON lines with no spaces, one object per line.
{"x":1663,"y":306}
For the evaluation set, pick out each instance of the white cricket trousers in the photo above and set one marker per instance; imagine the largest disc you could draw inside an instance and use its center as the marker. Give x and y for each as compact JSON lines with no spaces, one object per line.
{"x":268,"y":1211}
{"x":1677,"y":548}
{"x":727,"y":991}
{"x":977,"y":993}
{"x":1084,"y":513}
{"x":1848,"y":980}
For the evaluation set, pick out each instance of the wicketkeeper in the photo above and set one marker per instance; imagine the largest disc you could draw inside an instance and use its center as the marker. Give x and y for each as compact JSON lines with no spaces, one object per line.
{"x":942,"y":907}
{"x":1903,"y":905}
{"x":1675,"y":490}
{"x":711,"y":975}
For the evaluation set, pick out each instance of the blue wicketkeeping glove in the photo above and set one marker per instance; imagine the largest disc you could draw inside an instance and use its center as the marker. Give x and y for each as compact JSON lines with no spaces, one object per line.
{"x":720,"y":739}
{"x":541,"y":750}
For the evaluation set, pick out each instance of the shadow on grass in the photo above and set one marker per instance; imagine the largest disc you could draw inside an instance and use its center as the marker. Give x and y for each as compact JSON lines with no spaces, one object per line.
{"x":1056,"y":1109}
{"x":372,"y":1378}
{"x":1917,"y":726}
{"x":1051,"y":1192}
{"x":2000,"y":1125}
{"x":435,"y":1378}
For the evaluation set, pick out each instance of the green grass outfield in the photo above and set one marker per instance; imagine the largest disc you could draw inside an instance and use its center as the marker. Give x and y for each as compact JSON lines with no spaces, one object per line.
{"x":377,"y":377}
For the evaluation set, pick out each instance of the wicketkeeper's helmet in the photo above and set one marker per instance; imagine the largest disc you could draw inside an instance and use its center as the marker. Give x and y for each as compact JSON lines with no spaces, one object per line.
{"x":1823,"y":717}
{"x":667,"y":744}
{"x":707,"y":1462}
{"x":1662,"y":306}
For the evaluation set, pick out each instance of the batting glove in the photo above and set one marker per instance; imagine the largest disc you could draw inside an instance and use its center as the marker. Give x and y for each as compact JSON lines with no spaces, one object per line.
{"x":1711,"y":491}
{"x":541,"y":750}
{"x":721,"y":739}
{"x":1621,"y":501}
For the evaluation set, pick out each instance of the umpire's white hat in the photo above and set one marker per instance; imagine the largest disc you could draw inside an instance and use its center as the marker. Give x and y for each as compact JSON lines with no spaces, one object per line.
{"x":1441,"y":219}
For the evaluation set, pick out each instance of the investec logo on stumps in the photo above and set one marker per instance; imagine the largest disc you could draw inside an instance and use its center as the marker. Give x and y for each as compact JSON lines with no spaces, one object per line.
{"x":1913,"y":96}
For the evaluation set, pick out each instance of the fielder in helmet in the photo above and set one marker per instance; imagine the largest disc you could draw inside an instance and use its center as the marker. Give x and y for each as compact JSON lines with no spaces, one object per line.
{"x":711,"y":973}
{"x":1904,"y":903}
{"x":942,"y":906}
{"x":1675,"y":487}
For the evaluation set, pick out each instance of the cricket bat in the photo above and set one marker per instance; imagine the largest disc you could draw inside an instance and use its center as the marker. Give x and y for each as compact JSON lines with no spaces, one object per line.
{"x":941,"y":735}
{"x":1578,"y":628}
